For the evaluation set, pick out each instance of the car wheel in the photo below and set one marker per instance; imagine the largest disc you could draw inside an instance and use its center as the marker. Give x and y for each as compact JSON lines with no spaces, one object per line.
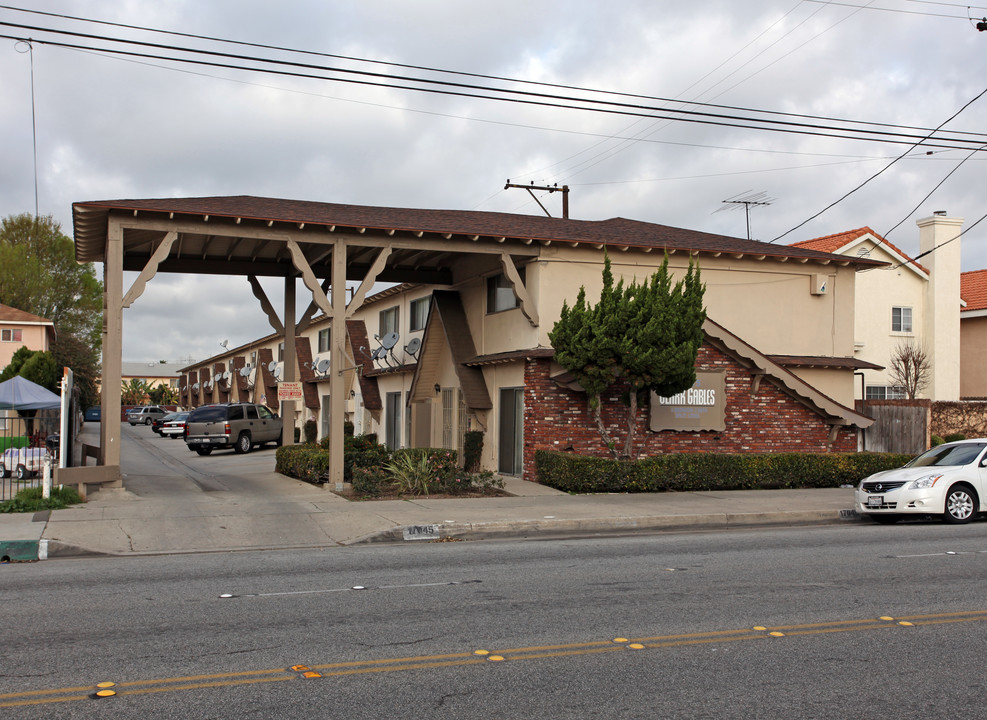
{"x":4,"y":472}
{"x":21,"y":472}
{"x":961,"y":504}
{"x":203,"y":450}
{"x":242,"y":444}
{"x":147,"y":421}
{"x":886,"y":519}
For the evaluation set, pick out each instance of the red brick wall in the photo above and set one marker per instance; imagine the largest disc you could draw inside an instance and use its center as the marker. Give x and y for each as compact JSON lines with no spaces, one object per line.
{"x":557,"y":419}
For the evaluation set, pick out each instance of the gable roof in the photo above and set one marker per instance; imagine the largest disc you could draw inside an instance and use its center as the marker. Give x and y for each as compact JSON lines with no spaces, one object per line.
{"x":14,"y":315}
{"x":836,"y":242}
{"x":973,"y":289}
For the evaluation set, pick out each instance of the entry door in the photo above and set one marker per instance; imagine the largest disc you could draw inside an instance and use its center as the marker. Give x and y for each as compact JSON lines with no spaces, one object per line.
{"x":392,"y":421}
{"x":511,"y":431}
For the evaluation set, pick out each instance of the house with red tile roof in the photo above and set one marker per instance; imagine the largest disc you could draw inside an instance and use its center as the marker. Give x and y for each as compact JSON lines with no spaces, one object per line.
{"x":22,"y":329}
{"x":905,"y":303}
{"x":973,"y":335}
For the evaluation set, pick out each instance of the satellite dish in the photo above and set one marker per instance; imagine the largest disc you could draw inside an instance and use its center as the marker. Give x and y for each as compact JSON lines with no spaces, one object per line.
{"x":413,"y":346}
{"x":323,"y":366}
{"x":196,"y":387}
{"x":378,"y":353}
{"x":389,"y":340}
{"x":245,"y":371}
{"x":251,"y":378}
{"x":272,"y":365}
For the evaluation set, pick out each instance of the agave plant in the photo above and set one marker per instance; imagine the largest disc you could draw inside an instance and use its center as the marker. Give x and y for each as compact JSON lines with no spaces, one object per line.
{"x":412,"y":472}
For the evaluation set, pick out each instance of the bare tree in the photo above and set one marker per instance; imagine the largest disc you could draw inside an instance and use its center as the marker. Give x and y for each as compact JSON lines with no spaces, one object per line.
{"x":910,"y":368}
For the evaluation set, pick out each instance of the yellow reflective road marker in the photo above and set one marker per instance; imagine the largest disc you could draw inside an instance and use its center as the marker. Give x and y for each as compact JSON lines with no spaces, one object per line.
{"x":620,"y":640}
{"x":481,"y":652}
{"x":311,"y":674}
{"x":760,"y":628}
{"x":299,"y":668}
{"x":906,"y":623}
{"x":106,"y":685}
{"x":496,"y":658}
{"x":636,"y":646}
{"x":776,"y":634}
{"x":885,"y":617}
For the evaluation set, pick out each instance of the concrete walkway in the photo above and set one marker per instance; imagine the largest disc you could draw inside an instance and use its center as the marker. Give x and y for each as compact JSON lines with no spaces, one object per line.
{"x":197,"y":504}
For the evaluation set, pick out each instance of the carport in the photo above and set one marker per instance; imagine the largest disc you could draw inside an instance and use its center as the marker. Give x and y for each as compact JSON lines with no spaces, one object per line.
{"x":325,"y":245}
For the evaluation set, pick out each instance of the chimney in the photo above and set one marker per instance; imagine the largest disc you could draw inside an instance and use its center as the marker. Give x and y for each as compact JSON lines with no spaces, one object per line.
{"x":941,"y":314}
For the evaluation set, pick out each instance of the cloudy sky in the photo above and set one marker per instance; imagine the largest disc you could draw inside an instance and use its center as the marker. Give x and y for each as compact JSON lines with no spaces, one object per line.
{"x":114,"y":127}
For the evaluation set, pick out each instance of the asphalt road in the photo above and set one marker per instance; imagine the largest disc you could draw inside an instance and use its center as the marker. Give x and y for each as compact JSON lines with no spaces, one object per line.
{"x":393,"y":631}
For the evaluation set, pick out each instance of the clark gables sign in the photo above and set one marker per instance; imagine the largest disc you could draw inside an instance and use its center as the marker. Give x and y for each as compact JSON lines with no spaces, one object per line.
{"x":701,"y":407}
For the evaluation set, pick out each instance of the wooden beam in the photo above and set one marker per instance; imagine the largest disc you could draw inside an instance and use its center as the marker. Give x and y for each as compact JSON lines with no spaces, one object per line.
{"x":265,"y":304}
{"x":368,"y":281}
{"x":528,"y":308}
{"x":150,"y":270}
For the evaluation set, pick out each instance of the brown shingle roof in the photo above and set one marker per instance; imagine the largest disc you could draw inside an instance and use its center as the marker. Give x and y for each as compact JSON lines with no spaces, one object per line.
{"x":90,"y":222}
{"x":13,"y":315}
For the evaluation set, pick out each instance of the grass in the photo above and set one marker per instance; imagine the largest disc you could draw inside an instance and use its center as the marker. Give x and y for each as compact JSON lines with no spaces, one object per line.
{"x":30,"y":500}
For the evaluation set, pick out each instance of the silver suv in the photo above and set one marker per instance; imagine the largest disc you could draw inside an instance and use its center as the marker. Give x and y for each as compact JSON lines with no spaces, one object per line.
{"x":144,"y":415}
{"x":240,"y":426}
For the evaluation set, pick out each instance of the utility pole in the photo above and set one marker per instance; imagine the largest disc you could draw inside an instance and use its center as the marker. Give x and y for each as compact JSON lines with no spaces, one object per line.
{"x":548,"y":188}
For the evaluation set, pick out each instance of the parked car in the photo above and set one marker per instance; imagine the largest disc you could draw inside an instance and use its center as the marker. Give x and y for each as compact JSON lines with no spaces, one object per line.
{"x":93,"y":414}
{"x":22,"y":462}
{"x":144,"y":415}
{"x":240,"y":426}
{"x":173,"y":424}
{"x":158,"y":421}
{"x":949,"y":480}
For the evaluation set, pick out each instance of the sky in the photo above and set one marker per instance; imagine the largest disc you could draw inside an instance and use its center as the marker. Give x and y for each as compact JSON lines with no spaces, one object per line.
{"x":98,"y":126}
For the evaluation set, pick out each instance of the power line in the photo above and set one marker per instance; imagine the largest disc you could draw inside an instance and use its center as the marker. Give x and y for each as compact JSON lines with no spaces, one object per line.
{"x":949,"y":119}
{"x":506,"y":95}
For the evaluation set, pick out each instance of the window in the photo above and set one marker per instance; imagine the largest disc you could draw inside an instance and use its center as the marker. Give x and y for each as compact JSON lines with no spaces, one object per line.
{"x":392,"y":421}
{"x":280,"y":352}
{"x":388,"y":321}
{"x":885,"y":392}
{"x":11,"y":335}
{"x":325,"y":339}
{"x":448,"y":401}
{"x":253,"y":359}
{"x":500,"y":293}
{"x":901,"y":319}
{"x":419,"y":312}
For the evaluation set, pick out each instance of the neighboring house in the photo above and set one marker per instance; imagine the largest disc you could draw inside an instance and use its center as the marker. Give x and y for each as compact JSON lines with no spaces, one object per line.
{"x":153,"y":373}
{"x":973,"y":336}
{"x":22,"y":329}
{"x":905,"y":302}
{"x":427,"y":362}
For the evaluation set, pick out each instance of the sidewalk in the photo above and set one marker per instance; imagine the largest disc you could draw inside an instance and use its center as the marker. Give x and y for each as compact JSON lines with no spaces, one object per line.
{"x":119,"y":522}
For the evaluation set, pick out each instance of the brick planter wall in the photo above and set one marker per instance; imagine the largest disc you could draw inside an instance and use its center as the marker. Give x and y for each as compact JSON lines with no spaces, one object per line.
{"x":556,"y":418}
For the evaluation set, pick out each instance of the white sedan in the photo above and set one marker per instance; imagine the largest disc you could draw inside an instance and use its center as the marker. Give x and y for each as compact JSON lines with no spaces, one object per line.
{"x":949,"y":480}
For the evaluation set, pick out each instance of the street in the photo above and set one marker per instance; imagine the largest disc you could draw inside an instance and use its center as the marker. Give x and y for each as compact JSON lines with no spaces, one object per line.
{"x":394,"y":631}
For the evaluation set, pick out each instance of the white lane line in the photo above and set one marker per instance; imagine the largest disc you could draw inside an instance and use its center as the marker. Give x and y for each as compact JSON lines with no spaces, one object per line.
{"x":227,"y":596}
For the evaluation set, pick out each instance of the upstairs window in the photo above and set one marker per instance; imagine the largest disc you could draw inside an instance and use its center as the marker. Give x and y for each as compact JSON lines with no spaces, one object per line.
{"x":11,"y":335}
{"x":419,"y":312}
{"x":389,"y":320}
{"x":500,"y":293}
{"x":325,"y":339}
{"x":901,"y":319}
{"x":280,"y":352}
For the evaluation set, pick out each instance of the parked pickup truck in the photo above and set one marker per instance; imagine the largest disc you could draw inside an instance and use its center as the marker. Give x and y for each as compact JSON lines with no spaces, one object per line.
{"x":236,"y":425}
{"x":22,"y":462}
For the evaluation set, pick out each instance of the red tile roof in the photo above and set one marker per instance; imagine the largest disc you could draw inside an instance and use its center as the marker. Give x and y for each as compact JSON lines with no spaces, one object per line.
{"x":833,"y":243}
{"x":973,"y":289}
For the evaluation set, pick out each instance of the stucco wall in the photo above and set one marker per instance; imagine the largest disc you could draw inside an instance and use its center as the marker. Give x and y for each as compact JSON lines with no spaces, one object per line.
{"x":973,"y":357}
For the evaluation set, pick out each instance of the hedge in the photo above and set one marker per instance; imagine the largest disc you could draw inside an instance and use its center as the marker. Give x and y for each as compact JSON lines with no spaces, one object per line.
{"x":683,"y":472}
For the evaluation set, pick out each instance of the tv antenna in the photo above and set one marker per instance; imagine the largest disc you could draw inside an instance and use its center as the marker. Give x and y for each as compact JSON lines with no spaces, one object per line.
{"x":548,"y":188}
{"x":747,"y":199}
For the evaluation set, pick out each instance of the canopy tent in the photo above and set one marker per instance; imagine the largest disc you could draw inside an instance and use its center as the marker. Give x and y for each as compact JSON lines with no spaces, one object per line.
{"x":19,"y":393}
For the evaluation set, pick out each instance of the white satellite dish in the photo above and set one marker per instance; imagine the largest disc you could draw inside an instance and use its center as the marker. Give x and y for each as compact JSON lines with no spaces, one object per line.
{"x":279,"y":370}
{"x":251,"y":378}
{"x":245,"y":371}
{"x":323,"y":366}
{"x":272,"y":366}
{"x":195,"y":387}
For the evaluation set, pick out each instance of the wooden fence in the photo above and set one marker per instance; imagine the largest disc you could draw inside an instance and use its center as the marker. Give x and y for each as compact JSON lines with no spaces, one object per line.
{"x":907,"y":426}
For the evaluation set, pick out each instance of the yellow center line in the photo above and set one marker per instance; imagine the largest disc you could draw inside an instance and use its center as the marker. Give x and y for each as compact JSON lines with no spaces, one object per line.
{"x":534,"y":652}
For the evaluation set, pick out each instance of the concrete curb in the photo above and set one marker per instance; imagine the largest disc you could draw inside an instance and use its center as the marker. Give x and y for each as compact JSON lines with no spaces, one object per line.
{"x":23,"y":550}
{"x":596,"y":526}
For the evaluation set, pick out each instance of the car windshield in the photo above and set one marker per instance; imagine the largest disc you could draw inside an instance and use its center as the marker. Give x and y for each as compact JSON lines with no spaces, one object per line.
{"x":962,"y":454}
{"x":216,"y":413}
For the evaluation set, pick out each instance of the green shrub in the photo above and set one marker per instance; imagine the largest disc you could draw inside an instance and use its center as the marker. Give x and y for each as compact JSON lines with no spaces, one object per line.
{"x":369,"y":481}
{"x":936,"y":440}
{"x":30,"y":500}
{"x":305,"y":462}
{"x":311,"y":431}
{"x":953,"y":437}
{"x":472,"y":450}
{"x":411,"y":472}
{"x":685,"y":472}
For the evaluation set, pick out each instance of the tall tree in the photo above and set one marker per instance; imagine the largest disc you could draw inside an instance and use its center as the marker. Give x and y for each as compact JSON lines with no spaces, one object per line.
{"x":647,"y":334}
{"x":910,"y":368}
{"x":83,"y":360}
{"x":39,"y":274}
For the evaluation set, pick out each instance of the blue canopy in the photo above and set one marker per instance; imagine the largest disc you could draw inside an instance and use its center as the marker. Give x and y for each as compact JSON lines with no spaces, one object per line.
{"x":19,"y":393}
